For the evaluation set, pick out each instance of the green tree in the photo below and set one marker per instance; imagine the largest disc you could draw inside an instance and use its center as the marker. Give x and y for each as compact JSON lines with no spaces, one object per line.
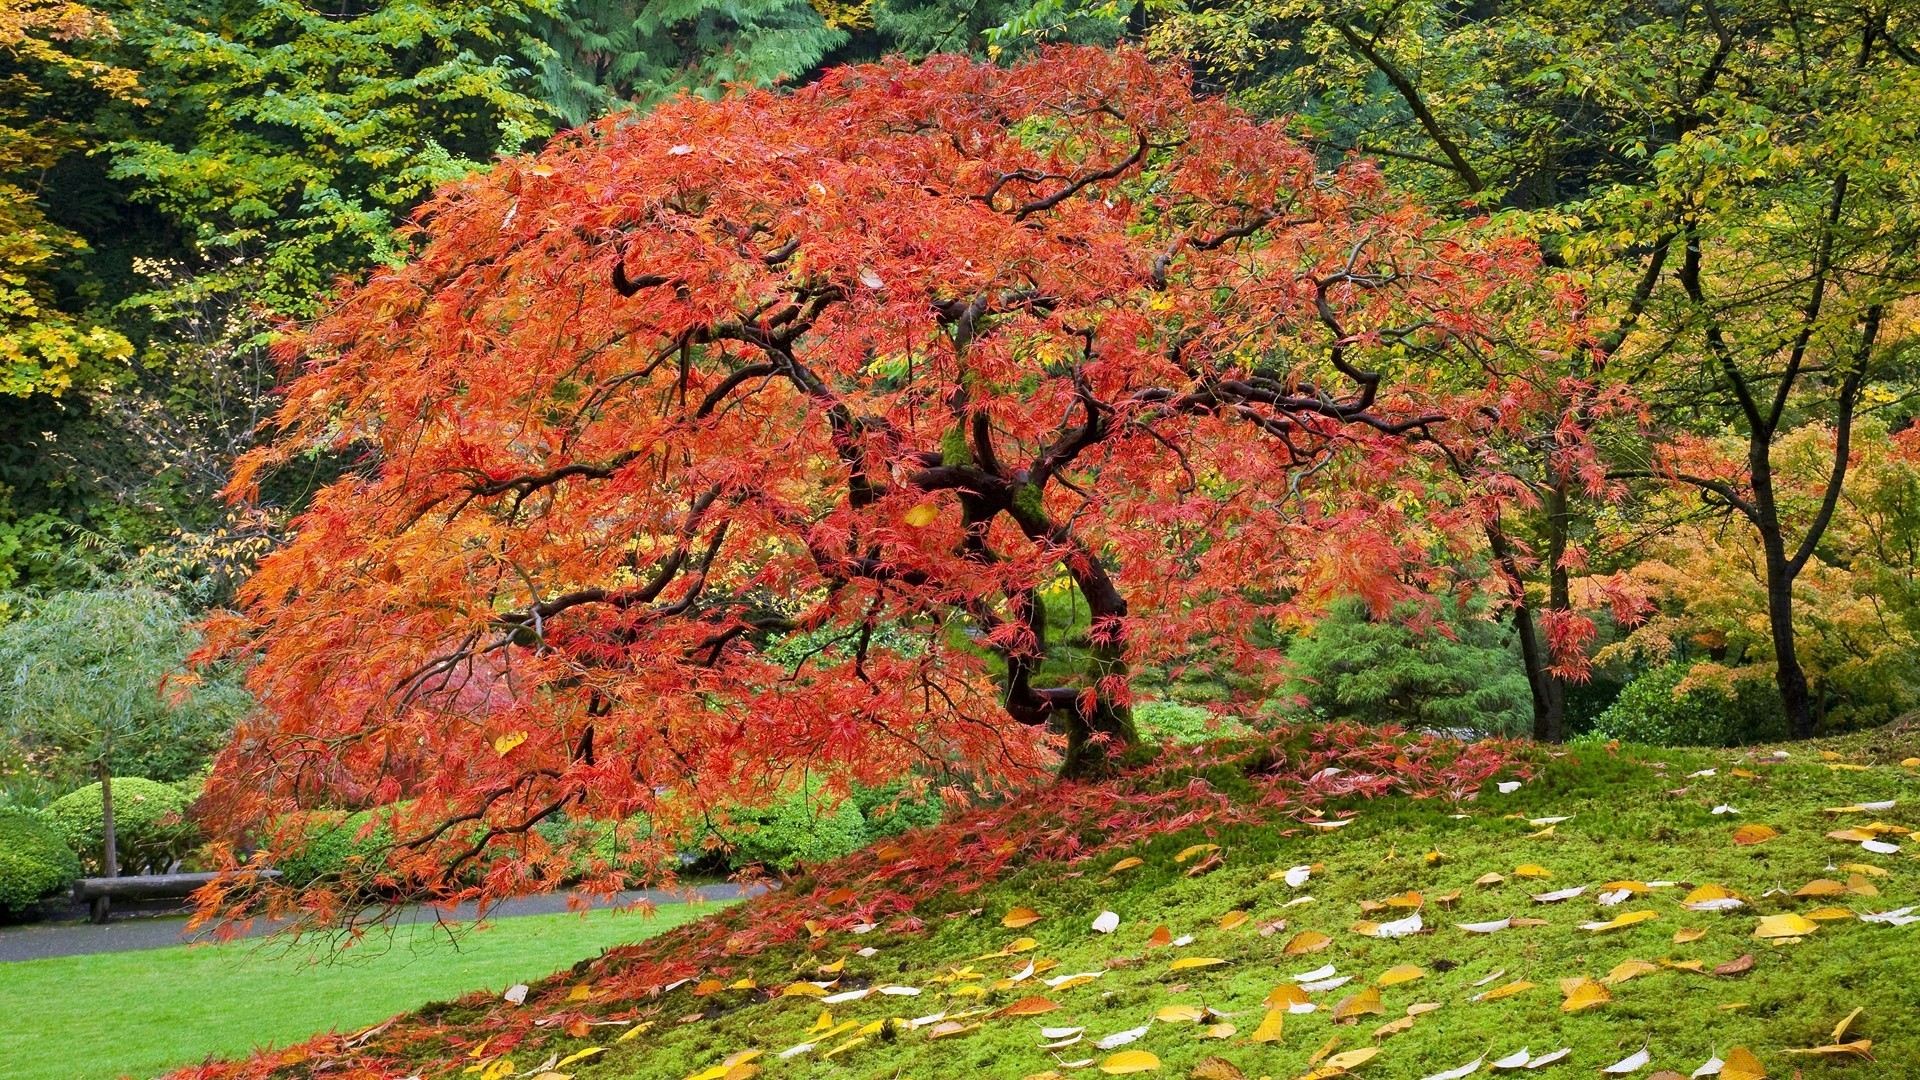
{"x":81,"y":679}
{"x":45,"y":347}
{"x":296,"y":139}
{"x":609,"y":54}
{"x":1730,"y":177}
{"x":1460,"y":675}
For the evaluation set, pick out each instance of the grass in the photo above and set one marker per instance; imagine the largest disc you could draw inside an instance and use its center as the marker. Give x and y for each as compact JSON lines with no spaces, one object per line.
{"x":1631,"y":818}
{"x":143,"y":1013}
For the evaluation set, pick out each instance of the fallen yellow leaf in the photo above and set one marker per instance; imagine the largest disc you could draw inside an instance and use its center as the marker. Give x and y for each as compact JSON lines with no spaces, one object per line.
{"x":1788,"y":925}
{"x":1019,"y":917}
{"x":1584,"y":995}
{"x":504,"y":744}
{"x":1306,"y":941}
{"x":1628,"y":969}
{"x":1130,"y":1061}
{"x":1859,"y":1048}
{"x":1188,"y":963}
{"x":1270,"y":1027}
{"x":1506,"y":991}
{"x":1754,"y":834}
{"x":1353,"y":1059}
{"x":1830,"y":914}
{"x":1531,"y":870}
{"x":1361,"y":1004}
{"x":1403,"y":973}
{"x":1393,"y":1027}
{"x":1840,"y":1029}
{"x":1742,"y":1065}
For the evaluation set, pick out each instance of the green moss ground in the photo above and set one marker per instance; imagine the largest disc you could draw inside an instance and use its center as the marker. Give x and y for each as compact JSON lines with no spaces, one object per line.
{"x":1625,"y":824}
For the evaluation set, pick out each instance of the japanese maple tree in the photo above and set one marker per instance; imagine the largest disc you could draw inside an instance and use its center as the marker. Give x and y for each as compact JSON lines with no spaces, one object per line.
{"x":751,"y":439}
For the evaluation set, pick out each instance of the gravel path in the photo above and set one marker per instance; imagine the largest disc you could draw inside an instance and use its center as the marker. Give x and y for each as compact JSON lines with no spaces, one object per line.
{"x":39,"y":942}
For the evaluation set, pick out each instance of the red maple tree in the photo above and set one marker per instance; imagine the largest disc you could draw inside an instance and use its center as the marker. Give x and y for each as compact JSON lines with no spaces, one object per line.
{"x":753,"y":439}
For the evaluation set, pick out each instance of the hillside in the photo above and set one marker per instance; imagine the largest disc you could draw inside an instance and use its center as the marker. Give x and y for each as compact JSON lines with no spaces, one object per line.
{"x":954,"y":950}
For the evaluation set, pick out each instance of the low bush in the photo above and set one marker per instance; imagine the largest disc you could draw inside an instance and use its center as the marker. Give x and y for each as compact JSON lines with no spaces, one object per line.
{"x":34,"y":861}
{"x":800,"y":828}
{"x":335,"y":848}
{"x":1170,"y":721}
{"x":150,"y":827}
{"x":890,"y":810}
{"x":1649,"y":711}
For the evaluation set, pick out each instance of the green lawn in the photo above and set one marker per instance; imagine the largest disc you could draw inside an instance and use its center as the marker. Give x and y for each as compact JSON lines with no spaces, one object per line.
{"x":141,"y":1013}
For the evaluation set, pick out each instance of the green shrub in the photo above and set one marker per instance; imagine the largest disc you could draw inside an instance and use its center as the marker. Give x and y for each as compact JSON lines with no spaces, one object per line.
{"x":333,"y":848}
{"x":34,"y":861}
{"x":798,"y":829}
{"x":1463,"y":677}
{"x":890,"y":812}
{"x":149,"y":823}
{"x":1170,"y":721}
{"x":1648,"y":711}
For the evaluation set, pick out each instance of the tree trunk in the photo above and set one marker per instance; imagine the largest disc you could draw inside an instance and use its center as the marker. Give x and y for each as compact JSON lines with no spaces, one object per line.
{"x":1559,"y":600}
{"x":1095,"y":735}
{"x":1787,"y":672}
{"x":1547,"y":689}
{"x":102,"y":904}
{"x":110,"y":854}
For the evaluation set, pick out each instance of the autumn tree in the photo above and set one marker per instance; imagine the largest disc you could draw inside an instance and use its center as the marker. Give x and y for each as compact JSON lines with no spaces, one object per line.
{"x":741,"y":441}
{"x":1730,"y":174}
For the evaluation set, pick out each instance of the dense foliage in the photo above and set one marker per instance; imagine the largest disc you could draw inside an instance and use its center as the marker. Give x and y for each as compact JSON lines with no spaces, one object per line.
{"x":1667,"y":707}
{"x":34,"y":861}
{"x":1459,"y":676}
{"x":150,"y":823}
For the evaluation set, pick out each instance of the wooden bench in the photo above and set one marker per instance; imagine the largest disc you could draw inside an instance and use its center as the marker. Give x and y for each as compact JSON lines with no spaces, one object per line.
{"x":98,"y":893}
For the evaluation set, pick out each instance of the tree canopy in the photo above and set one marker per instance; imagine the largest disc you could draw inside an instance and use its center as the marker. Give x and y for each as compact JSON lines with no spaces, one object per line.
{"x":893,"y":351}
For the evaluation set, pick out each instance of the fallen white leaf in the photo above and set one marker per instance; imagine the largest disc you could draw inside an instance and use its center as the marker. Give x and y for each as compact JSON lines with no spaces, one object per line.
{"x":1326,"y":984}
{"x":1633,"y":1062}
{"x":1514,"y":1061}
{"x":1468,"y":1069}
{"x":1545,"y":1060}
{"x":1106,"y":922}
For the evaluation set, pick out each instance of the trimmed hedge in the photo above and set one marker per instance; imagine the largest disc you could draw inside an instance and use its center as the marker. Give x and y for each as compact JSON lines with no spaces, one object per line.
{"x":150,"y":826}
{"x":1648,"y":712}
{"x":34,"y":861}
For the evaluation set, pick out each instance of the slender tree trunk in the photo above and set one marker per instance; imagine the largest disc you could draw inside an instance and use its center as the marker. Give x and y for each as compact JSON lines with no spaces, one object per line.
{"x":1560,"y":600}
{"x":1788,"y":675}
{"x":110,"y":860}
{"x":109,"y":854}
{"x":1547,"y":690}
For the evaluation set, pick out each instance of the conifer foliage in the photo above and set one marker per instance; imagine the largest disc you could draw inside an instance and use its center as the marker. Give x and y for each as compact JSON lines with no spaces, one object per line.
{"x":750,"y":439}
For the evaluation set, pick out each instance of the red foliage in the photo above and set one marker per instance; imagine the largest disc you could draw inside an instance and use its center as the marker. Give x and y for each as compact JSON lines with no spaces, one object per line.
{"x":925,"y":875}
{"x":747,"y":440}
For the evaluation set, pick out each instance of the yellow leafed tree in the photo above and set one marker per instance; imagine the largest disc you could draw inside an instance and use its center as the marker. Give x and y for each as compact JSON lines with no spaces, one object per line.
{"x":43,"y":349}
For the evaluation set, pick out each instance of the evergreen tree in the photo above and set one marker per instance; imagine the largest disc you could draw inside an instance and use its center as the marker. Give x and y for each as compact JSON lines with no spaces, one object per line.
{"x":606,"y":54}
